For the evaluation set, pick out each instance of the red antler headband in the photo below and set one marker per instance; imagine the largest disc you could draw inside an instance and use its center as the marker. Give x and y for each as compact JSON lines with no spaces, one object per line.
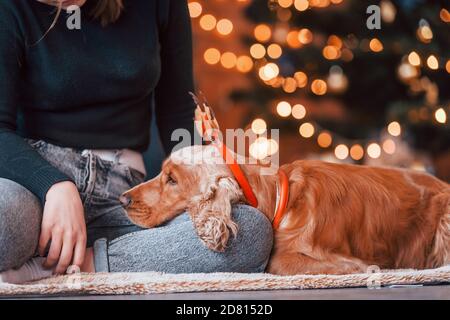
{"x":208,"y":128}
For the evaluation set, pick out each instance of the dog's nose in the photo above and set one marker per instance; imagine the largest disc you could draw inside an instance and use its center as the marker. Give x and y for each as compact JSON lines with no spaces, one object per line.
{"x":125,"y":200}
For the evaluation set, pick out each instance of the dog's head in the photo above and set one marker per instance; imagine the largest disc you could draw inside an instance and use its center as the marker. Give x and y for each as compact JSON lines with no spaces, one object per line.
{"x":195,"y":179}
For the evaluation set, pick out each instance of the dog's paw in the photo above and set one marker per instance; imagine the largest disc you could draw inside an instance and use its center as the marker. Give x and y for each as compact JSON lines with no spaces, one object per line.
{"x":215,"y":231}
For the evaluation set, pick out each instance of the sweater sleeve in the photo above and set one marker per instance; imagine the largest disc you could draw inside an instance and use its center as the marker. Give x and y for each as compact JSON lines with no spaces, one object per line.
{"x":18,"y":161}
{"x":174,"y":107}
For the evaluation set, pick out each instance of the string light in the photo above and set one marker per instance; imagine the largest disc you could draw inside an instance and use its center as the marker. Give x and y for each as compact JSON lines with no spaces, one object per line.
{"x":212,"y":56}
{"x":224,"y":27}
{"x":444,"y":15}
{"x":341,"y":151}
{"x":269,"y":71}
{"x":262,"y":33}
{"x":298,"y":111}
{"x":301,"y":5}
{"x":331,"y":52}
{"x":284,"y":109}
{"x":301,"y":78}
{"x":374,"y":150}
{"x":375,"y":45}
{"x":319,"y":87}
{"x":389,"y":146}
{"x":324,"y":140}
{"x":208,"y":22}
{"x":244,"y":64}
{"x":305,"y":36}
{"x":414,"y":59}
{"x":306,"y":130}
{"x":335,"y":41}
{"x":284,"y":14}
{"x":388,"y":11}
{"x":285,"y":3}
{"x":292,"y":39}
{"x":447,"y":66}
{"x":424,"y":32}
{"x":337,"y":81}
{"x":257,"y":51}
{"x":407,"y":72}
{"x":263,"y":147}
{"x":432,"y":62}
{"x":356,"y":152}
{"x":228,"y":60}
{"x":195,"y":9}
{"x":394,"y":129}
{"x":440,"y":115}
{"x":259,"y":126}
{"x":274,"y":51}
{"x":289,"y":85}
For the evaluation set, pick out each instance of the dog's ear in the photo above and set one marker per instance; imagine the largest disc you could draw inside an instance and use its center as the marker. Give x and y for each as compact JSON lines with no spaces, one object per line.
{"x":211,"y":212}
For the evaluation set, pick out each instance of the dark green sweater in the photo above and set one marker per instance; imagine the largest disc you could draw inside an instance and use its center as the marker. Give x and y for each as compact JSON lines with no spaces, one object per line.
{"x":91,"y":88}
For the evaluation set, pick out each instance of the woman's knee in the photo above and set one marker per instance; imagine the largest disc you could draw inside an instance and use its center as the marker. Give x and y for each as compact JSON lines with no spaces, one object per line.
{"x":254,"y":239}
{"x":20,"y":220}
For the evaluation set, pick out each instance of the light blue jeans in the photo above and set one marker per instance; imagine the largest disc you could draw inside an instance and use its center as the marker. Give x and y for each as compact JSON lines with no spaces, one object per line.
{"x":119,"y":245}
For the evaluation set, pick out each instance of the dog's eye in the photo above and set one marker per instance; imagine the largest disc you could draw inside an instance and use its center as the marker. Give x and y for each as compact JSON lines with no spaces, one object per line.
{"x":171,"y":180}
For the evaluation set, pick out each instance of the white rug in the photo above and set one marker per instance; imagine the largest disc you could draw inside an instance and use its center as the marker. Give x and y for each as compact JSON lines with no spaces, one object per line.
{"x":152,"y":282}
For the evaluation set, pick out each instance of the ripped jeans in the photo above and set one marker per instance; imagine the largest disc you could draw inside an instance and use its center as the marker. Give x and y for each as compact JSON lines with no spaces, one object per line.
{"x":119,"y":245}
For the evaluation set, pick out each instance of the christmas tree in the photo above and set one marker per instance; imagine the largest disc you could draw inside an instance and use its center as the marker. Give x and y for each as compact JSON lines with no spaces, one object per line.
{"x":359,"y":79}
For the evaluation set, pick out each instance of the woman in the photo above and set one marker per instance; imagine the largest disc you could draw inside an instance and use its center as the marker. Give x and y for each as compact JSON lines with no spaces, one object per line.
{"x":74,"y":117}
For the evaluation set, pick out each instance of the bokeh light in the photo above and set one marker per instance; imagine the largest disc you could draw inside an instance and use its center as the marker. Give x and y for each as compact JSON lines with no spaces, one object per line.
{"x":324,"y":139}
{"x":208,"y":22}
{"x":262,"y":33}
{"x":228,"y":60}
{"x":319,"y":87}
{"x":301,"y":5}
{"x":298,"y":111}
{"x":285,"y":3}
{"x":212,"y":56}
{"x":357,"y":152}
{"x":389,"y":146}
{"x":224,"y":27}
{"x":375,"y":45}
{"x":414,"y":59}
{"x":394,"y":128}
{"x":284,"y":109}
{"x":244,"y":64}
{"x":301,"y":78}
{"x":440,"y":115}
{"x":274,"y":51}
{"x":195,"y":9}
{"x":432,"y":62}
{"x":257,"y":51}
{"x":306,"y":130}
{"x":341,"y":151}
{"x":374,"y":150}
{"x":259,"y":126}
{"x":305,"y":36}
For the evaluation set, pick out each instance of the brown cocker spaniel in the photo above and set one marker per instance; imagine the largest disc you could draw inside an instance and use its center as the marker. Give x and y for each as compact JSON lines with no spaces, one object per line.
{"x":339,"y":218}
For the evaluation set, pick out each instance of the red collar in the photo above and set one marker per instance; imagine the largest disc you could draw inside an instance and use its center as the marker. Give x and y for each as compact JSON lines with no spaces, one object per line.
{"x":282,"y":199}
{"x":238,"y":174}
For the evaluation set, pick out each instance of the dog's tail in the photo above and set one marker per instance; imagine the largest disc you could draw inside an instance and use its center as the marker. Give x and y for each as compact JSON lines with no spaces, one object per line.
{"x":440,"y":252}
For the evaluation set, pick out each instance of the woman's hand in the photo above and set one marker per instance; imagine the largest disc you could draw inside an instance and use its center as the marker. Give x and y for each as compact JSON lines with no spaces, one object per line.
{"x":63,"y":223}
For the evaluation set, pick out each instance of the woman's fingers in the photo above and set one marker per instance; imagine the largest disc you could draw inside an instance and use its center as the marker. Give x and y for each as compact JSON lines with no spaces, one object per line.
{"x":80,"y":250}
{"x":66,"y":254}
{"x":44,"y":238}
{"x":55,"y":249}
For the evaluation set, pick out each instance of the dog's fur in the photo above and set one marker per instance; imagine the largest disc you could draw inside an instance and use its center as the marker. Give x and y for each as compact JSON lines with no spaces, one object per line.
{"x":339,"y":218}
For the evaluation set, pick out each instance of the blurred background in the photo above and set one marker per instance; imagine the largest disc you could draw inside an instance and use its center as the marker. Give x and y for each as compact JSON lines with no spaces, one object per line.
{"x":337,"y":90}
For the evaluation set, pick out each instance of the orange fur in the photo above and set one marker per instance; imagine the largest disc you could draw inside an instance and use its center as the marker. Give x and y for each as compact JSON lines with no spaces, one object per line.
{"x":340,"y":218}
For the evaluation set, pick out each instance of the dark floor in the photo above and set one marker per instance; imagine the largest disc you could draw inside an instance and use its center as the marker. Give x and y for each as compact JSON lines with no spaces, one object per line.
{"x":410,"y":293}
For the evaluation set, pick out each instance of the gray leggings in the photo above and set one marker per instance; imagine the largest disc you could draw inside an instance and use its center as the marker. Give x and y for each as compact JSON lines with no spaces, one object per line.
{"x":120,"y":246}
